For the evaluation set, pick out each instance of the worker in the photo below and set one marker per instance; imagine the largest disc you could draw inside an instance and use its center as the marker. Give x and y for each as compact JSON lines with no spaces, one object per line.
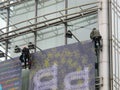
{"x":25,"y":56}
{"x":96,"y":38}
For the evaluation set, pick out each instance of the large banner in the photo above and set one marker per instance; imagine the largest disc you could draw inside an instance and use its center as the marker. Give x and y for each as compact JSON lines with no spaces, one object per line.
{"x":10,"y":75}
{"x":69,"y":67}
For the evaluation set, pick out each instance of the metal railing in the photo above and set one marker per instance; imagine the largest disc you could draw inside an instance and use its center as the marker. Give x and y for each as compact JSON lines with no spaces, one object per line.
{"x":8,"y":3}
{"x":49,"y":20}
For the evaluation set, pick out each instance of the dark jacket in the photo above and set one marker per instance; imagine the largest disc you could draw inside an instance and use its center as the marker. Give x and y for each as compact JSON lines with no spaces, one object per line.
{"x":25,"y":54}
{"x":94,"y":33}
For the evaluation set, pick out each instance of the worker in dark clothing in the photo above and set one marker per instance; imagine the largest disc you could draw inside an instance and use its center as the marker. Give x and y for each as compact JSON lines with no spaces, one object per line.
{"x":25,"y":57}
{"x":96,"y":38}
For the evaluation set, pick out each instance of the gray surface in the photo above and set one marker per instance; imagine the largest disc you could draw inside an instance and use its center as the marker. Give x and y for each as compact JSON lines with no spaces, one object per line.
{"x":25,"y":79}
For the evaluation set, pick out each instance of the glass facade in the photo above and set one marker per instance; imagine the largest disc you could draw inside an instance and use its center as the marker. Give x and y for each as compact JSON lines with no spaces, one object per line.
{"x":115,"y":67}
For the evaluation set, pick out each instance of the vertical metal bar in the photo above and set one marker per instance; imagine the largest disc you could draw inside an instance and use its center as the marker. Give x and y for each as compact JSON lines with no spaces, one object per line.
{"x":117,"y":44}
{"x":7,"y":30}
{"x":114,"y":30}
{"x":110,"y":45}
{"x":35,"y":33}
{"x":66,"y":12}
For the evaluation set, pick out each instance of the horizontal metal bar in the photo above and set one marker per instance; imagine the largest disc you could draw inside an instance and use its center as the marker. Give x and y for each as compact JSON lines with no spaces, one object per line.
{"x":50,"y":14}
{"x":32,"y":25}
{"x":91,"y":12}
{"x":7,"y":5}
{"x":50,"y":31}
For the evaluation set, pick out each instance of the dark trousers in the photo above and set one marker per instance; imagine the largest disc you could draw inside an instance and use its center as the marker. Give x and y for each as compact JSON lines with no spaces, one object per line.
{"x":97,"y":43}
{"x":25,"y":58}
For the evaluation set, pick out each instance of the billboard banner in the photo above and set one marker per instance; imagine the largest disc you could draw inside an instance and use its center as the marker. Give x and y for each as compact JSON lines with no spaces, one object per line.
{"x":68,"y":67}
{"x":10,"y":75}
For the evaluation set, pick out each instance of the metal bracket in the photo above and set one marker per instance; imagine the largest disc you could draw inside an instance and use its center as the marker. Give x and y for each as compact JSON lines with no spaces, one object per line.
{"x":98,"y":82}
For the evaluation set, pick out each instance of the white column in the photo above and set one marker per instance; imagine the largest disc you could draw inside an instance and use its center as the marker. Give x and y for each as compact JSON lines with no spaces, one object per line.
{"x":104,"y":59}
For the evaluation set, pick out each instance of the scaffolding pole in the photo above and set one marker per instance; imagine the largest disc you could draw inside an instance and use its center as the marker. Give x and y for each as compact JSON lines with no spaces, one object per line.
{"x":36,"y":14}
{"x":104,"y":57}
{"x":110,"y":46}
{"x":66,"y":12}
{"x":7,"y":30}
